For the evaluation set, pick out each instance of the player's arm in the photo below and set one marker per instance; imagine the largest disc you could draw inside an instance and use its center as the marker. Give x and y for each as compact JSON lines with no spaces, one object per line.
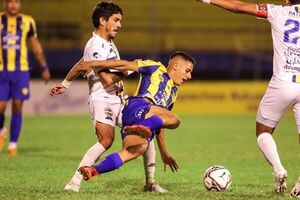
{"x":37,"y":50}
{"x":166,"y":158}
{"x":111,"y":77}
{"x":121,"y":65}
{"x":234,"y":6}
{"x":60,"y":88}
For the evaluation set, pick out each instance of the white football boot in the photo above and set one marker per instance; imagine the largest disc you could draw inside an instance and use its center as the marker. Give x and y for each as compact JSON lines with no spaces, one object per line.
{"x":280,"y":181}
{"x":72,"y":186}
{"x":296,"y":190}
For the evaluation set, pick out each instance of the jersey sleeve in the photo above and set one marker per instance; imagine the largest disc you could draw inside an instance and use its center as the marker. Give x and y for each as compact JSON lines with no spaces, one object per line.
{"x":147,"y":66}
{"x":32,"y":28}
{"x":268,"y":11}
{"x":97,"y":52}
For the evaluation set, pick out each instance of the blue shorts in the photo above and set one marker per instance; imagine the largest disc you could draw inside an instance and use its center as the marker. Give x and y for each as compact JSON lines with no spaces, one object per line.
{"x":134,"y":112}
{"x":14,"y":85}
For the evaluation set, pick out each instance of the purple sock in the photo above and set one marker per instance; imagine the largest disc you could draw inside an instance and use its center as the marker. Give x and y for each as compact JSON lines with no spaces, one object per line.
{"x":2,"y":118}
{"x":153,"y":123}
{"x":109,"y":163}
{"x":15,"y":127}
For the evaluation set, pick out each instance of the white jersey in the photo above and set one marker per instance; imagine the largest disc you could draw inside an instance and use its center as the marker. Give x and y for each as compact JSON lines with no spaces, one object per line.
{"x":98,"y":48}
{"x":285,"y":24}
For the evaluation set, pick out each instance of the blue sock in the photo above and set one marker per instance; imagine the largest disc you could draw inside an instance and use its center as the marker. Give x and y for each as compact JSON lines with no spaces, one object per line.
{"x":2,"y":118}
{"x":109,"y":163}
{"x":15,"y":127}
{"x":153,"y":123}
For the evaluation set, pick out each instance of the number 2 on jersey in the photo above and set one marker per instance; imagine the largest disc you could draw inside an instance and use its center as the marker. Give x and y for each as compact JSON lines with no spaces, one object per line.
{"x":294,"y":29}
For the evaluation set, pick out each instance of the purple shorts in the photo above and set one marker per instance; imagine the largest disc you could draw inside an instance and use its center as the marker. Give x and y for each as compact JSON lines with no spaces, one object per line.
{"x":14,"y":85}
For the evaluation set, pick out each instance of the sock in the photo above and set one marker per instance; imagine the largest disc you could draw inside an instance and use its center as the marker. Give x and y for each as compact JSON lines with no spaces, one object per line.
{"x":2,"y":118}
{"x":88,"y":159}
{"x":15,"y":127}
{"x":153,"y":123}
{"x":109,"y":163}
{"x":149,"y":162}
{"x":268,"y":147}
{"x":12,"y":145}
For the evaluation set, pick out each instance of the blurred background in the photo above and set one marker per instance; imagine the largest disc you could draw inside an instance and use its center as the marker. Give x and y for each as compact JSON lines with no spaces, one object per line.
{"x":229,"y":49}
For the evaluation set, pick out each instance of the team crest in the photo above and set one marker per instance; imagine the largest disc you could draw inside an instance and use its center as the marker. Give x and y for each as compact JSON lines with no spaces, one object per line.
{"x":109,"y":113}
{"x":25,"y":91}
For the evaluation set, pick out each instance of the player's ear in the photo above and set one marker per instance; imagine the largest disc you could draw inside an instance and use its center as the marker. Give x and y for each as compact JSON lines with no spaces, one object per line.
{"x":102,"y":21}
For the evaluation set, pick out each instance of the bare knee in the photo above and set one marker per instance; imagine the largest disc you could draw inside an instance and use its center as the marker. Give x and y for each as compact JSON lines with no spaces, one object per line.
{"x":105,"y":137}
{"x":173,"y":121}
{"x":260,"y":128}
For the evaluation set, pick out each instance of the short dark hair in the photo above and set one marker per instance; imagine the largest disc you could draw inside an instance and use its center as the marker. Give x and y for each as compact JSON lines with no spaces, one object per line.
{"x":294,"y":2}
{"x":105,"y":10}
{"x":183,"y":55}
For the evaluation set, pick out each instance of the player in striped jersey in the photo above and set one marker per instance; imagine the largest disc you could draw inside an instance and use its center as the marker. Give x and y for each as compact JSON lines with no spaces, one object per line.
{"x":284,"y":88}
{"x":16,"y":30}
{"x":146,"y":113}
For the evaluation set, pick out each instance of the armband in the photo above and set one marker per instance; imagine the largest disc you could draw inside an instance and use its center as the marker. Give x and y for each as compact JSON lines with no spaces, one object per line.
{"x":66,"y":83}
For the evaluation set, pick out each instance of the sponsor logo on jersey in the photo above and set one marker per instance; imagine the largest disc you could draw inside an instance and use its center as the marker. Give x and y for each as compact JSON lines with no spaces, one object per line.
{"x":109,"y":113}
{"x":96,"y":55}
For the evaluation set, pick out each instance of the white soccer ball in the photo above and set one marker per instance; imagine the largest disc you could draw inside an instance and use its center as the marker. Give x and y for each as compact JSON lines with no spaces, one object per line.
{"x":217,"y":178}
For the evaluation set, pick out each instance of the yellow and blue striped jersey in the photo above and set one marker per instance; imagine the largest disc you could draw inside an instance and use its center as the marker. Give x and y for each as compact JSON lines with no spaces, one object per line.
{"x":14,"y":34}
{"x":156,"y":84}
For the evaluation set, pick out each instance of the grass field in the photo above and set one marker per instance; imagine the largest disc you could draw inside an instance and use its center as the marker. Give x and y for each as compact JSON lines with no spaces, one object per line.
{"x":52,"y":146}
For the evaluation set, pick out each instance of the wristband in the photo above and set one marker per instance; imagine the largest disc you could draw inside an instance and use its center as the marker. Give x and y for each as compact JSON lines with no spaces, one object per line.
{"x":66,"y":83}
{"x":206,"y":1}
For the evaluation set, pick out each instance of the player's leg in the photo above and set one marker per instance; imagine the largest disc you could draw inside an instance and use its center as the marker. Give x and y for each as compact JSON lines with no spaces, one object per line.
{"x":149,"y":165}
{"x":133,"y":147}
{"x":105,"y":134}
{"x":296,"y":189}
{"x":15,"y":126}
{"x":4,"y":97}
{"x":19,"y":93}
{"x":274,"y":104}
{"x":3,"y":130}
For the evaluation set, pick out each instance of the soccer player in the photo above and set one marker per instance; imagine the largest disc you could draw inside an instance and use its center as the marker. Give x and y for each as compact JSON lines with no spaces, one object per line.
{"x":106,"y":93}
{"x":284,"y":87}
{"x":16,"y":30}
{"x":146,"y":113}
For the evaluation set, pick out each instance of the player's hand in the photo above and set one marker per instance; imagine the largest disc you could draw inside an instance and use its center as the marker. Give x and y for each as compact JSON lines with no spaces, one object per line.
{"x":57,"y":89}
{"x":170,"y":161}
{"x":46,"y":75}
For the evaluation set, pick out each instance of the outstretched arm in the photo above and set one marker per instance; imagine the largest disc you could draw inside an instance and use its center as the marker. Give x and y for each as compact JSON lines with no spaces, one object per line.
{"x":166,"y":158}
{"x":234,"y":6}
{"x":121,"y":65}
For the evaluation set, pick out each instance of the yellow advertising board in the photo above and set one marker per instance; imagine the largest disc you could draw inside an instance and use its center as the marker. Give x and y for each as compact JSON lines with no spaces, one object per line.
{"x":216,"y":98}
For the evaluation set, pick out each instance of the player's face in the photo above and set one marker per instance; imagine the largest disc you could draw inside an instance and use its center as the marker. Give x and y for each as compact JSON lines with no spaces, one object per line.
{"x":12,"y":7}
{"x":113,"y":25}
{"x":183,"y":71}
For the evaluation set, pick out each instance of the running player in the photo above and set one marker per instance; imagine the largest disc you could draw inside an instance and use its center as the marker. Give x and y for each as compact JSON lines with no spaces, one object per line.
{"x":284,"y":87}
{"x":106,"y":93}
{"x":146,"y":113}
{"x":16,"y":30}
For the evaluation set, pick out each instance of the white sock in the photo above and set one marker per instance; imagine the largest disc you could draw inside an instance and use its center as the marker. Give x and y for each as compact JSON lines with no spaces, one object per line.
{"x":268,"y":147}
{"x":88,"y":159}
{"x":12,"y":145}
{"x":149,"y":162}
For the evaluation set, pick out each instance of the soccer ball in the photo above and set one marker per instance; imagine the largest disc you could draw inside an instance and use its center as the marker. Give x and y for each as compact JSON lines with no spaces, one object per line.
{"x":217,"y":178}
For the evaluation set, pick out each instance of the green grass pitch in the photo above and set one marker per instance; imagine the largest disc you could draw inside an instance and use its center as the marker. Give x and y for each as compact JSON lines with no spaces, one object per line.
{"x":52,"y":146}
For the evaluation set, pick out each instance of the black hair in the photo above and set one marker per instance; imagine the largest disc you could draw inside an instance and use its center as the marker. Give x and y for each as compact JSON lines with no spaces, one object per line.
{"x":105,"y":10}
{"x":183,"y":55}
{"x":294,"y":2}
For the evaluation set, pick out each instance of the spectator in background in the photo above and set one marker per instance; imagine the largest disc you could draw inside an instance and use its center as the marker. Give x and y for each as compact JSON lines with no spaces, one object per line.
{"x":16,"y":30}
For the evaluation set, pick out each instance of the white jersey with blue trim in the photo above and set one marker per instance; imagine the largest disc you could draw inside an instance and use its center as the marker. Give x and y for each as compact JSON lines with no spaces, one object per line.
{"x":98,"y":48}
{"x":285,"y":24}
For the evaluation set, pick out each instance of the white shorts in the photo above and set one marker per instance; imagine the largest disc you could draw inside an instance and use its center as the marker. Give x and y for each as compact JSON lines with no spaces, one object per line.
{"x":279,"y":97}
{"x":106,"y":112}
